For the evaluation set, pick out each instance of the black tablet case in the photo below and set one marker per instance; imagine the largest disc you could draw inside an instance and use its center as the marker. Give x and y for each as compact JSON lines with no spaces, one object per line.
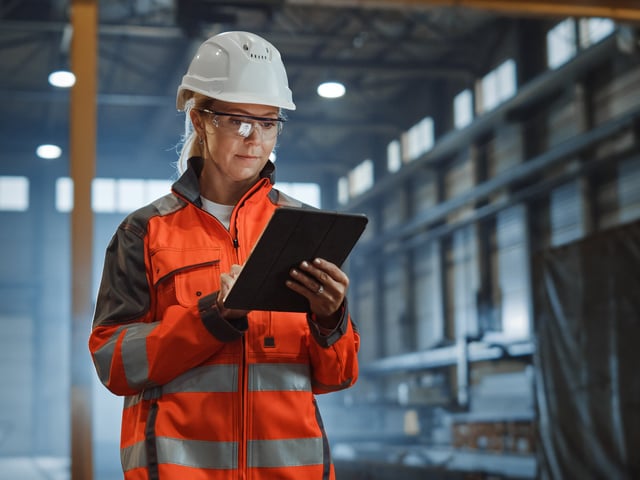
{"x":291,"y":236}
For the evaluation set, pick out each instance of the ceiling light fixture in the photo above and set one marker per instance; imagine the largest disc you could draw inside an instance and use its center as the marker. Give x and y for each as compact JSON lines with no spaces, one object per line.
{"x":62,"y":79}
{"x":49,"y":152}
{"x":331,"y":90}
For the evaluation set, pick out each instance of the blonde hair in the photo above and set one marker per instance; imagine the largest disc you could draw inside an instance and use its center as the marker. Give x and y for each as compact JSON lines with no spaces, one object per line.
{"x":190,"y":144}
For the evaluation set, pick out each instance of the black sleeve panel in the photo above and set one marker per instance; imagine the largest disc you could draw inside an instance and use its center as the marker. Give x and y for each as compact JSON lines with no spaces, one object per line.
{"x":218,"y":326}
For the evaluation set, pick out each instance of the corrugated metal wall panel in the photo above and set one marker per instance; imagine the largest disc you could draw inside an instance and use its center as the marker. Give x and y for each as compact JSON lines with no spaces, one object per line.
{"x":458,"y":179}
{"x":395,"y":309}
{"x":424,"y":192}
{"x":462,"y":275}
{"x":563,"y":123}
{"x":365,"y":311}
{"x":372,"y":225}
{"x":428,"y":296}
{"x":394,"y":209}
{"x":506,"y":149}
{"x":620,"y":95}
{"x":629,"y":189}
{"x":567,"y":214}
{"x":513,"y":271}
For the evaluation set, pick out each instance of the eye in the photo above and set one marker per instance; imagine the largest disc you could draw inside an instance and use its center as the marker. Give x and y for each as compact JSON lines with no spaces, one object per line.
{"x":268,"y":124}
{"x":235,"y":122}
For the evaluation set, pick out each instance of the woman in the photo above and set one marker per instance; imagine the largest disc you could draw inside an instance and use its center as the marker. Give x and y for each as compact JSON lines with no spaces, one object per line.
{"x":212,"y":393}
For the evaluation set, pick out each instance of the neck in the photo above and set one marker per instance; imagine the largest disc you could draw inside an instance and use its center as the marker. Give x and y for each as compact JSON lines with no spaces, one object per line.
{"x":224,"y":191}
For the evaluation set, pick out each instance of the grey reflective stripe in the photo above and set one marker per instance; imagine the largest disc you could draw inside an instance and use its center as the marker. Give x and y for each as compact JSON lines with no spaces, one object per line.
{"x":189,"y":453}
{"x":103,"y":356}
{"x":131,"y":400}
{"x":134,"y":354}
{"x":285,"y":453}
{"x":209,"y":378}
{"x":198,"y":453}
{"x":265,"y":377}
{"x":134,"y":456}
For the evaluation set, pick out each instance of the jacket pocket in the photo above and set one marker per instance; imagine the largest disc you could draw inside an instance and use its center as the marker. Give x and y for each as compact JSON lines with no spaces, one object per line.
{"x":194,"y":272}
{"x":197,"y":281}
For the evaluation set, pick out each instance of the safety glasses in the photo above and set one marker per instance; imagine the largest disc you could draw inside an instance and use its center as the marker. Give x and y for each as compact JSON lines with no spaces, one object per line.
{"x":243,"y":125}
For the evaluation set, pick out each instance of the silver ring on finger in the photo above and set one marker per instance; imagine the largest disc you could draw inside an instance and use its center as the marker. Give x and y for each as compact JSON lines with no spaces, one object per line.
{"x":320,"y":290}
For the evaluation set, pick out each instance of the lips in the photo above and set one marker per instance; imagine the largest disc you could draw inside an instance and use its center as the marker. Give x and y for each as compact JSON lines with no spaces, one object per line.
{"x":248,"y":157}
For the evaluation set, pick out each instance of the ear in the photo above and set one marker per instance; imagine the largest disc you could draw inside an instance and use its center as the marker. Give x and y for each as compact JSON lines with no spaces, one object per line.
{"x":196,"y":121}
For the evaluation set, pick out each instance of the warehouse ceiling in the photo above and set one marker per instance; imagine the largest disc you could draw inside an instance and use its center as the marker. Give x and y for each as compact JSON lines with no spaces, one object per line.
{"x":395,"y":58}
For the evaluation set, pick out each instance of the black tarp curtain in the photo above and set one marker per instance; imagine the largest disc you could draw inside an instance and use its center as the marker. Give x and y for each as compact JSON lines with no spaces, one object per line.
{"x":588,"y":357}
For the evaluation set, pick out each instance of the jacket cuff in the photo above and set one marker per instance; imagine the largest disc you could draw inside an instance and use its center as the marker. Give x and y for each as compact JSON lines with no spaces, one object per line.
{"x":221,"y":328}
{"x":326,"y":337}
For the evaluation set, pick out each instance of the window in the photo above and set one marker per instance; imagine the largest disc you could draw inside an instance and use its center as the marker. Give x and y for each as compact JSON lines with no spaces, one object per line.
{"x":103,"y":195}
{"x":394,"y":156}
{"x":463,"y":109}
{"x":592,"y":30}
{"x":561,"y":43}
{"x":14,"y":194}
{"x":361,"y":178}
{"x":356,"y":182}
{"x":418,"y":139}
{"x":112,"y":195}
{"x":343,"y":190}
{"x":497,"y":86}
{"x":64,"y":194}
{"x":308,"y":193}
{"x":130,"y":194}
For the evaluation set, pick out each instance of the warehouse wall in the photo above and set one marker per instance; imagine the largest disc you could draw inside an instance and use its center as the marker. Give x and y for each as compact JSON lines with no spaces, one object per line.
{"x":547,"y":170}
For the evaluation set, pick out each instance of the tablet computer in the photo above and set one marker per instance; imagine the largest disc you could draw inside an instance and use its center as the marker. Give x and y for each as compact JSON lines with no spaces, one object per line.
{"x":291,"y":236}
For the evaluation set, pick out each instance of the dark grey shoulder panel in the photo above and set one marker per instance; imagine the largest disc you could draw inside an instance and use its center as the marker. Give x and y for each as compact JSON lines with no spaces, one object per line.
{"x":283,"y":200}
{"x":138,"y":220}
{"x":124,"y":290}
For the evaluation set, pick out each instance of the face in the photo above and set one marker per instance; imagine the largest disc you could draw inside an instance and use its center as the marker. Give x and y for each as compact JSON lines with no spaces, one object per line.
{"x":234,"y":158}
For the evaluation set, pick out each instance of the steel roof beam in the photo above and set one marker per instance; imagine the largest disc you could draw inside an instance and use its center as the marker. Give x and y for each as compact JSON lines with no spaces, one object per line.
{"x":615,"y":9}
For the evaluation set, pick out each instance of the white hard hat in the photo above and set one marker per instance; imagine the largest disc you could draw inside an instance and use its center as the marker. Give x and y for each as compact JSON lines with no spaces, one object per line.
{"x":238,"y":67}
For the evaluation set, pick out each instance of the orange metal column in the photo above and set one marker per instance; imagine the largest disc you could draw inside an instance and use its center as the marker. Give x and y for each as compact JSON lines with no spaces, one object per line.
{"x":84,"y":51}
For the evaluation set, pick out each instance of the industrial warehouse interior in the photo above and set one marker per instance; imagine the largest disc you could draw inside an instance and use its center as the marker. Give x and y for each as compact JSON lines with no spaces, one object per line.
{"x":494,"y":147}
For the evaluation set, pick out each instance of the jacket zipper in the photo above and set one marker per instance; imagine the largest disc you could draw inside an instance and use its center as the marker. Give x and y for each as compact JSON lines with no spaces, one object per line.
{"x":244,"y":470}
{"x":242,"y":384}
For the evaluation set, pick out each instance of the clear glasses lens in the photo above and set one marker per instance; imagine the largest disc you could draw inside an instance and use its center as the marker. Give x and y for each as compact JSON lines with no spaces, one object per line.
{"x":244,"y":126}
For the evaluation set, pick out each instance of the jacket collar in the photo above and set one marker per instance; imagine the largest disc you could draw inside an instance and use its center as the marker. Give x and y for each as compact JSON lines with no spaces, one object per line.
{"x":188,"y":185}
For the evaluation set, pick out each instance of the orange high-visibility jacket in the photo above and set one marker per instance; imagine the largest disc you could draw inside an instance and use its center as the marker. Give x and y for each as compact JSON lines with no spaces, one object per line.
{"x":207,"y":398}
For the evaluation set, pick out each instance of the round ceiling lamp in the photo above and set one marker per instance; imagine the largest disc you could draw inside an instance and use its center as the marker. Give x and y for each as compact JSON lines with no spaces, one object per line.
{"x":331,"y":90}
{"x":62,"y":79}
{"x":48,"y":151}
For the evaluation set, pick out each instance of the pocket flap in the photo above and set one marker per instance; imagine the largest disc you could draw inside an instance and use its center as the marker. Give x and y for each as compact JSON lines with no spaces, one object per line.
{"x":166,"y":262}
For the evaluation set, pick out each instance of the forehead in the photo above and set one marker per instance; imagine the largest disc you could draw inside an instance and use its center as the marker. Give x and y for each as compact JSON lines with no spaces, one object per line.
{"x":252,"y":109}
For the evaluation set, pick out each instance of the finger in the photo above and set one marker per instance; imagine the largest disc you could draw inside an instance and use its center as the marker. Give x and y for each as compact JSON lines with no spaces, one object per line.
{"x":310,"y":283}
{"x":324,"y":269}
{"x":235,"y":270}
